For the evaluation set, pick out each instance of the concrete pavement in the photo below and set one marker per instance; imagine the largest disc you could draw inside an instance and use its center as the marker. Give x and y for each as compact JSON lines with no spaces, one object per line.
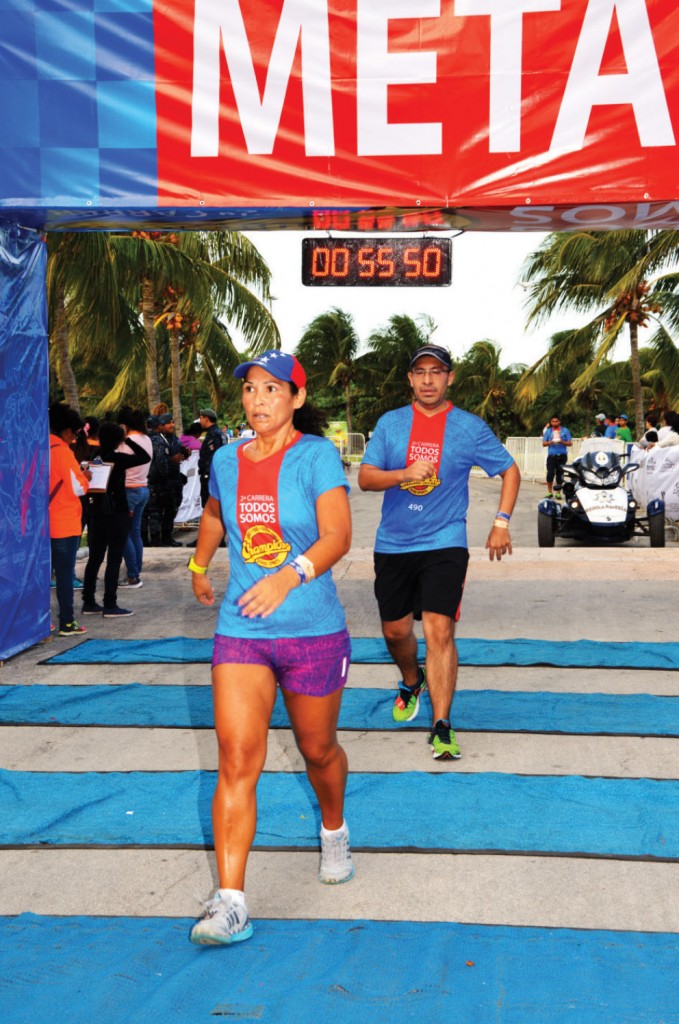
{"x":568,"y":593}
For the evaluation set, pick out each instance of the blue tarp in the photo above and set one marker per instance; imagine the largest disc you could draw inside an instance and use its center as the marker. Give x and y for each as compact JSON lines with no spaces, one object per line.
{"x":24,"y":446}
{"x":143,"y":970}
{"x":137,"y":704}
{"x":373,"y":651}
{"x":445,"y":810}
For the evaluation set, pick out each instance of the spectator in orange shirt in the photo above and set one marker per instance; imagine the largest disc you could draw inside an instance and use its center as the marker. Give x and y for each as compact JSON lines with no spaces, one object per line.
{"x":67,"y":483}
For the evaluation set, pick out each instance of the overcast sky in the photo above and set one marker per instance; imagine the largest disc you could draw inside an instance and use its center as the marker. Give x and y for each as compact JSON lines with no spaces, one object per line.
{"x":484,"y":300}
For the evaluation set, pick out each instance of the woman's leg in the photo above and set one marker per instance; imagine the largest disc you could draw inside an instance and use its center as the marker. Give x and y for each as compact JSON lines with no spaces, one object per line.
{"x":137,"y":498}
{"x":64,"y":551}
{"x":314,"y":723}
{"x":118,"y":528}
{"x":96,"y":542}
{"x":243,"y":697}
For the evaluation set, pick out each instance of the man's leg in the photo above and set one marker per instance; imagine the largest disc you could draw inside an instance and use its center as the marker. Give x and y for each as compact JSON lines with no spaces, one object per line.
{"x":441,"y":664}
{"x":550,"y":473}
{"x":560,"y":463}
{"x":402,"y":646}
{"x":153,"y":515}
{"x":439,"y":632}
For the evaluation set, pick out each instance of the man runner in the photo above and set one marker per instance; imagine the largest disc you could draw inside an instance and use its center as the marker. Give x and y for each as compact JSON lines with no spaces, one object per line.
{"x":421,"y":457}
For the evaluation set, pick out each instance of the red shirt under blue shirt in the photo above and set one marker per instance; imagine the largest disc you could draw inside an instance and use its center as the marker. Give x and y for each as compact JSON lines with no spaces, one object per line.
{"x":269,"y":512}
{"x":431,"y":514}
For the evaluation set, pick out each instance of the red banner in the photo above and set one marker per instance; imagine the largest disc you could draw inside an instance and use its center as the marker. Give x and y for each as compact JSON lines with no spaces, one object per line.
{"x":445,"y":103}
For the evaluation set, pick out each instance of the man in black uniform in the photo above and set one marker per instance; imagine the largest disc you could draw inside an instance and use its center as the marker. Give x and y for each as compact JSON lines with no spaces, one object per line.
{"x":176,"y":453}
{"x":212,"y":440}
{"x":159,"y":471}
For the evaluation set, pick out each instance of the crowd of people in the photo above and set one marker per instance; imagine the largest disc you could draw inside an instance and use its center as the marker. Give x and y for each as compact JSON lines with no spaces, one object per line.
{"x":129,"y":503}
{"x":661,"y":429}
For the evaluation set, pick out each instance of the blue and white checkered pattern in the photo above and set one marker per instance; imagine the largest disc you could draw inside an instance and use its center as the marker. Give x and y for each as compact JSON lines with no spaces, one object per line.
{"x":78,"y":111}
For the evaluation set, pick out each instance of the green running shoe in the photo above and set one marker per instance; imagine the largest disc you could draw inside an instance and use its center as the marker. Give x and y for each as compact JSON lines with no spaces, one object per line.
{"x":407,"y":703}
{"x":443,"y":742}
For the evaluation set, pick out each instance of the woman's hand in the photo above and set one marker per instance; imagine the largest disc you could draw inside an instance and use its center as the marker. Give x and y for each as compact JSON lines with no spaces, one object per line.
{"x":499,"y":543}
{"x":202,"y":588}
{"x":268,"y":594}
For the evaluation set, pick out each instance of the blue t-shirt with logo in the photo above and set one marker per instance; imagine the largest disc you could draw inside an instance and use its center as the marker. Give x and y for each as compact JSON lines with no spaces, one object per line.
{"x":557,"y":449}
{"x":438,"y":519}
{"x":310,"y":467}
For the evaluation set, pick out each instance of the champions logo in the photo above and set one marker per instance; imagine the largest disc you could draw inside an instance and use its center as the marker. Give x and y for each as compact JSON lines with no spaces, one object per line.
{"x":263,"y":546}
{"x":420,"y":487}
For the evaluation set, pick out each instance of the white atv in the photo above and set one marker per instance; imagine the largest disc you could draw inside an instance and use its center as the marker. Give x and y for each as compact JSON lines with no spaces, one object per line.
{"x":597,"y":506}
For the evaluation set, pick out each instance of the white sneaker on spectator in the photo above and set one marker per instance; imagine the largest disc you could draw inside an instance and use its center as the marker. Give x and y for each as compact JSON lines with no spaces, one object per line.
{"x":131,"y":582}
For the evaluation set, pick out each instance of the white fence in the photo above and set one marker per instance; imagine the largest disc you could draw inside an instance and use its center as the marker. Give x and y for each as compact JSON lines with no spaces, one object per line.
{"x":353,"y":448}
{"x":531,"y":457}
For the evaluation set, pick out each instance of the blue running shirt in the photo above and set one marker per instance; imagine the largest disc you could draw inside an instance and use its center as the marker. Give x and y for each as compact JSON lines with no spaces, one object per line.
{"x":438,"y":519}
{"x":310,"y":467}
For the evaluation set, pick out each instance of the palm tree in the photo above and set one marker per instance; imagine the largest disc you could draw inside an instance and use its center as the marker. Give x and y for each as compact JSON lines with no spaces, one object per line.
{"x":86,"y":309}
{"x":387,"y":361}
{"x":327,"y":351}
{"x":609,"y":274}
{"x":544,"y":389}
{"x":185,"y":285}
{"x":482,"y":385}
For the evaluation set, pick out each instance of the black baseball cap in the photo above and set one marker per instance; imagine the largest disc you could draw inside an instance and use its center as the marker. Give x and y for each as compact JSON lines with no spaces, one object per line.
{"x":442,"y":354}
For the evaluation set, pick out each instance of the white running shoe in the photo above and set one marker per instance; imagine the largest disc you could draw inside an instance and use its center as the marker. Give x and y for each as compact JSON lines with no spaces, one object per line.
{"x":336,"y":863}
{"x":225,"y":920}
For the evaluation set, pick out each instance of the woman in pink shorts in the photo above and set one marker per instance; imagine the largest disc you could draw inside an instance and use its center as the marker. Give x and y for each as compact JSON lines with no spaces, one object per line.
{"x":282,"y":499}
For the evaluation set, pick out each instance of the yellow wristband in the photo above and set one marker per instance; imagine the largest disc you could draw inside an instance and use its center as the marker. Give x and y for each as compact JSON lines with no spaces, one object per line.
{"x":194,"y":567}
{"x":501,"y":523}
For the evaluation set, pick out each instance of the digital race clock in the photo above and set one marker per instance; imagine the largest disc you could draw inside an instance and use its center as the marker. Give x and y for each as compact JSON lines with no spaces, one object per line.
{"x":376,"y":262}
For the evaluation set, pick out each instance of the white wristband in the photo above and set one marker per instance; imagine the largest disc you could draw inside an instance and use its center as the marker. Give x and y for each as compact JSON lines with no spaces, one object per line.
{"x":304,"y":568}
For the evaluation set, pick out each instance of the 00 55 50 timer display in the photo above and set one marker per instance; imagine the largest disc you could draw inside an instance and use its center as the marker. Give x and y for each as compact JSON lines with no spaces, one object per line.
{"x":376,"y":262}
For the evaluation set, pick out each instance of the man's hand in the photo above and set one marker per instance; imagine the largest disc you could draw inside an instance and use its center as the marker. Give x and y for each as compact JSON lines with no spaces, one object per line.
{"x":499,"y":543}
{"x":419,"y":471}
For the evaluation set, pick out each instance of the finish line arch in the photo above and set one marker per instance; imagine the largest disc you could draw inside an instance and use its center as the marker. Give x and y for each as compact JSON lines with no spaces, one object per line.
{"x":346,"y":115}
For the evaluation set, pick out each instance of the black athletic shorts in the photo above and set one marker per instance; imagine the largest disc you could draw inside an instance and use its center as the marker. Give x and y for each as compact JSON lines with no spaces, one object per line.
{"x":420,"y":581}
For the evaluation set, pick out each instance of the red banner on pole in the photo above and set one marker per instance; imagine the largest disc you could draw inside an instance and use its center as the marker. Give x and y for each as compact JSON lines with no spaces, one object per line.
{"x":475,"y":103}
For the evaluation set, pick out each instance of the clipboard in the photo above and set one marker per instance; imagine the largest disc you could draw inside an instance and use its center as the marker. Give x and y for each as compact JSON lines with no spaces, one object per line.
{"x":101,"y":472}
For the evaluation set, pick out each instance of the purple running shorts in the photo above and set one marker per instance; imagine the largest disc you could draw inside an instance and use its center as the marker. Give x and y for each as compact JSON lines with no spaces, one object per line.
{"x":312,"y":665}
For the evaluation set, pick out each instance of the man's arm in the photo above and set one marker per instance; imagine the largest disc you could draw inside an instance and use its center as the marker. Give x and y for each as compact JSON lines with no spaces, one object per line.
{"x":371,"y":478}
{"x":499,"y":541}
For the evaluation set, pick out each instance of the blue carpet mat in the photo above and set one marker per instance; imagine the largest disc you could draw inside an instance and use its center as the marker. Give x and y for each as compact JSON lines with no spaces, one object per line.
{"x":373,"y":651}
{"x":143,"y":971}
{"x":136,"y":704}
{"x":444,"y":810}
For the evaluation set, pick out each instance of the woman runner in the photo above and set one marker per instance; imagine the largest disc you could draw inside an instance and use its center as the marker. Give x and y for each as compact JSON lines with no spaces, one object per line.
{"x":282,"y":500}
